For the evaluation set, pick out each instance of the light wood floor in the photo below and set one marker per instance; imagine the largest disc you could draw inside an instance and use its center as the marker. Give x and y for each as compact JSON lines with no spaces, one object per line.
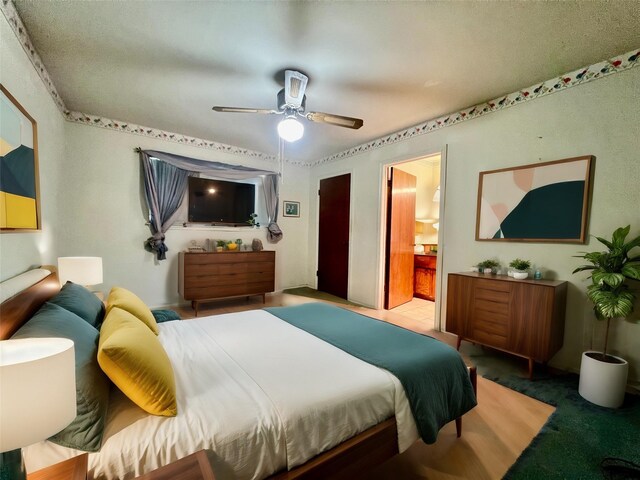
{"x":494,"y":433}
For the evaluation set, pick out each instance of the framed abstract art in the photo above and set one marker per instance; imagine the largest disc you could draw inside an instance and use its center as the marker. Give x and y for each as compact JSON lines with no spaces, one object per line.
{"x":542,"y":202}
{"x":19,"y":189}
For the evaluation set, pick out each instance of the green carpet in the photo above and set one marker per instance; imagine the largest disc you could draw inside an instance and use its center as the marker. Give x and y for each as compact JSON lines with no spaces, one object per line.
{"x":318,"y":295}
{"x":578,"y":435}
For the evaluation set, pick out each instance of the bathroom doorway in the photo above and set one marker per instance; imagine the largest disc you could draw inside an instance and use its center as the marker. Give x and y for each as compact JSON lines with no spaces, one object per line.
{"x":420,"y":240}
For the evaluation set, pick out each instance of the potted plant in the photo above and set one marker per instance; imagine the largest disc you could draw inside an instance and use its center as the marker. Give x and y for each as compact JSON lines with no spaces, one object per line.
{"x":220,"y":244}
{"x":232,"y":245}
{"x":252,"y":220}
{"x":488,"y":266}
{"x":603,"y":377}
{"x":520,"y":268}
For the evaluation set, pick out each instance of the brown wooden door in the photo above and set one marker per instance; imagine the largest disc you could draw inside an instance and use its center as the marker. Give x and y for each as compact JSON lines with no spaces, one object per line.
{"x":333,"y":235}
{"x":401,"y":224}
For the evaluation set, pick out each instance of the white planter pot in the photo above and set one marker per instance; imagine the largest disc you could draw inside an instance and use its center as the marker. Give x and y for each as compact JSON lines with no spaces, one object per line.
{"x":520,"y":275}
{"x":487,"y":271}
{"x":603,"y":383}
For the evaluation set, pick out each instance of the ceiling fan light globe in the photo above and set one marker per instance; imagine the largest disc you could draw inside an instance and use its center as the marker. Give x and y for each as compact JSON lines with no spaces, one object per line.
{"x":290,"y":129}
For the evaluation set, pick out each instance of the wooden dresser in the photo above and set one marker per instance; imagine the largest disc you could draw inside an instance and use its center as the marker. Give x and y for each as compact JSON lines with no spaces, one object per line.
{"x":522,"y":317}
{"x":424,"y":278}
{"x":209,"y":276}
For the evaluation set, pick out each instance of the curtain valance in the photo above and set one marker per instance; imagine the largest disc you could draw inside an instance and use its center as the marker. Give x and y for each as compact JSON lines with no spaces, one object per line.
{"x":220,"y":170}
{"x":165,"y":184}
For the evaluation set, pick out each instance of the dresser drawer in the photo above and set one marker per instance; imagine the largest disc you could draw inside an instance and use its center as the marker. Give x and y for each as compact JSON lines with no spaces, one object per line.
{"x":492,"y":339}
{"x":228,"y":257}
{"x":227,"y":279}
{"x":221,"y":291}
{"x":202,"y":270}
{"x":425,"y":261}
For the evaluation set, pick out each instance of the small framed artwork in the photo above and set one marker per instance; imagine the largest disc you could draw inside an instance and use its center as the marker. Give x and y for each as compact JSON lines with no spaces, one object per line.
{"x":19,"y":189}
{"x":542,"y":202}
{"x":290,"y":209}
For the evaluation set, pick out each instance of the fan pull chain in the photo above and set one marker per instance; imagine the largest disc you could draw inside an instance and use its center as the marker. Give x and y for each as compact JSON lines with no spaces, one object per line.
{"x":281,"y":158}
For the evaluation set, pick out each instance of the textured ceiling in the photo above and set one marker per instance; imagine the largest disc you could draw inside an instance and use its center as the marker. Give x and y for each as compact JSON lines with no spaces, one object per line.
{"x":394,"y":64}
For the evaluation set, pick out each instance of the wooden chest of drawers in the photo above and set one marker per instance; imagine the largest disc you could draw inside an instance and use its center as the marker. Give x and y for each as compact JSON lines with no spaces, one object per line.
{"x":523,"y":317}
{"x":209,"y":276}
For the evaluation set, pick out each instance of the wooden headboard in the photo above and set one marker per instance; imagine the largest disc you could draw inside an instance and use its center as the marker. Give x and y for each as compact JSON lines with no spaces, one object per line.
{"x":18,"y":309}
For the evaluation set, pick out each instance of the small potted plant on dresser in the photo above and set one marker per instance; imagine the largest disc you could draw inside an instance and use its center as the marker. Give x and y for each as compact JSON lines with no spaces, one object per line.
{"x":488,"y":266}
{"x":220,"y":244}
{"x":520,"y":268}
{"x":603,"y":377}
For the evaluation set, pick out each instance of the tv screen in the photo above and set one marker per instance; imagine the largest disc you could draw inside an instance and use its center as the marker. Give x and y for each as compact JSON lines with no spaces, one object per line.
{"x":217,"y":201}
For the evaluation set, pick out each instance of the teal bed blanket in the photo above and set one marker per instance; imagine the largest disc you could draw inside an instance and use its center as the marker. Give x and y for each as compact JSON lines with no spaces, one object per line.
{"x":433,"y":374}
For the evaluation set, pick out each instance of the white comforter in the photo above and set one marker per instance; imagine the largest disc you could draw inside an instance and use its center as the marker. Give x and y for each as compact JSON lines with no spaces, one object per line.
{"x":260,"y":393}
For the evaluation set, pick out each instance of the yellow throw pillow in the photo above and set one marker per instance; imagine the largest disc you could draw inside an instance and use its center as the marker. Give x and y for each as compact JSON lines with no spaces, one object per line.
{"x":133,"y":358}
{"x":126,"y":300}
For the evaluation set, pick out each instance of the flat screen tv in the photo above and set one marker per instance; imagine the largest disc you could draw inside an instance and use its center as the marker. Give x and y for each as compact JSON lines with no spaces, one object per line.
{"x":220,"y":202}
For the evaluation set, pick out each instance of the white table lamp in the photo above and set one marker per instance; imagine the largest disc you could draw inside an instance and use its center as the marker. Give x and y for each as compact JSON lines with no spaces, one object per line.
{"x":37,"y":396}
{"x":84,"y":271}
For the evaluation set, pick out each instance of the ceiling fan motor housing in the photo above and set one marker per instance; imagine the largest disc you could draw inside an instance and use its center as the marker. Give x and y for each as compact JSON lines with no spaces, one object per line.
{"x":282,"y":102}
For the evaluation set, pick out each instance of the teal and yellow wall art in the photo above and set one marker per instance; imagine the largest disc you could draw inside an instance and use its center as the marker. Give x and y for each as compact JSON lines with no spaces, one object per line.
{"x":543,"y":202}
{"x":19,"y":199}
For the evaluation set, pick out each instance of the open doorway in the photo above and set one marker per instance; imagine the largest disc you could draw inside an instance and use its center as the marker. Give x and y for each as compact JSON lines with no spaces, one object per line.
{"x":411,"y":244}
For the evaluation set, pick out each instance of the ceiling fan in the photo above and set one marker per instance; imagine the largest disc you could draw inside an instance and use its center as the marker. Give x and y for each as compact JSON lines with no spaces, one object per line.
{"x":291,"y":101}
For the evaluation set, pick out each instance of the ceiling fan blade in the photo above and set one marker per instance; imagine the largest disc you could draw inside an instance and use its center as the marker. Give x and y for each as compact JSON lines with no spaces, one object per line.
{"x":242,"y":110}
{"x":295,"y":84}
{"x":338,"y":120}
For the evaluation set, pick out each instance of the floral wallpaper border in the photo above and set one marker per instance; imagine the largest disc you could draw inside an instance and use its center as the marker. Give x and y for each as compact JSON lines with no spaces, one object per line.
{"x":586,"y":74}
{"x":97,"y":121}
{"x":577,"y":77}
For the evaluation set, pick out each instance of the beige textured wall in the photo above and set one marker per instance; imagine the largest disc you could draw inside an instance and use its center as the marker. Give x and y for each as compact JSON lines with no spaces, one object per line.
{"x":20,"y":251}
{"x":104,"y":214}
{"x":600,"y":118}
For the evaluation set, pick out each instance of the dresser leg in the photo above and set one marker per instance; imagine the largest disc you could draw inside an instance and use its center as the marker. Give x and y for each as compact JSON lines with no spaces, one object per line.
{"x":264,"y":298}
{"x":194,"y":304}
{"x":458,"y":342}
{"x":473,"y":375}
{"x":531,"y":362}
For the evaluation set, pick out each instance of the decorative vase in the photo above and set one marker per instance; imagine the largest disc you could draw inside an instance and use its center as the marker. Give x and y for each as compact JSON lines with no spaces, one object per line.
{"x":232,"y":246}
{"x":520,"y":275}
{"x":603,"y":383}
{"x":256,"y":245}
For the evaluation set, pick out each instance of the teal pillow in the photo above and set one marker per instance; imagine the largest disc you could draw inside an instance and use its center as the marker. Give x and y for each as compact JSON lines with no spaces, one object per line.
{"x":165,"y":315}
{"x":82,"y":302}
{"x":92,"y":385}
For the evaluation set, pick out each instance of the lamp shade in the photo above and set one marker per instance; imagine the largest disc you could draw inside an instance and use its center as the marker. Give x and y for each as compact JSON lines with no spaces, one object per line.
{"x":80,"y":270}
{"x":436,"y":196}
{"x":290,"y":129}
{"x":37,"y":390}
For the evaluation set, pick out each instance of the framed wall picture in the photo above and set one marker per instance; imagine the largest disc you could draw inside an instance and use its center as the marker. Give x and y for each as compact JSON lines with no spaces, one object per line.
{"x":290,"y":209}
{"x":19,"y":188}
{"x":543,"y":202}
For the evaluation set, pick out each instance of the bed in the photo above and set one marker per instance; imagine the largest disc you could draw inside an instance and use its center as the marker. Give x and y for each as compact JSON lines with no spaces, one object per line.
{"x":264,"y":398}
